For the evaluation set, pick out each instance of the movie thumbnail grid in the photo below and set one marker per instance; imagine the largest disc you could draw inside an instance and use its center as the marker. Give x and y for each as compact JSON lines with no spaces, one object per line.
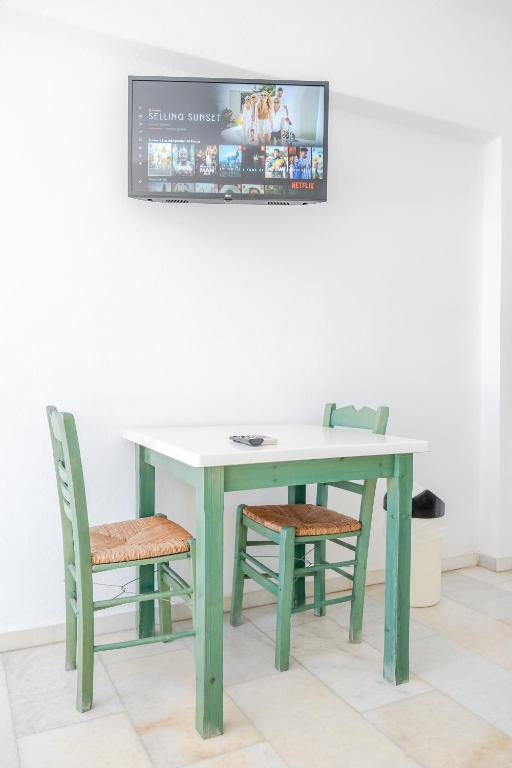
{"x":200,"y":188}
{"x":233,"y":161}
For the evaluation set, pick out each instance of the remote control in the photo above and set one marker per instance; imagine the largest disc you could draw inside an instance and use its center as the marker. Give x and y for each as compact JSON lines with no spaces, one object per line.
{"x":253,"y":440}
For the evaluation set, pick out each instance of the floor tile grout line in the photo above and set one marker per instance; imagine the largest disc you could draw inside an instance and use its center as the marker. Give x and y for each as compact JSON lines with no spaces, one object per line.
{"x":361,"y":714}
{"x":328,"y":688}
{"x":91,"y":716}
{"x":460,"y":704}
{"x":70,"y":725}
{"x":465,"y":647}
{"x":402,"y":747}
{"x":448,"y":696}
{"x":487,"y":583}
{"x":186,"y":647}
{"x":9,"y":702}
{"x":450,"y":639}
{"x":128,"y":717}
{"x":263,"y":739}
{"x":487,"y":615}
{"x":265,"y":633}
{"x":398,"y":702}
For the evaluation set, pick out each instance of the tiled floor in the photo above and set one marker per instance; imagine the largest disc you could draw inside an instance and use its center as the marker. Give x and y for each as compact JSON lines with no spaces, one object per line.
{"x":332,"y":708}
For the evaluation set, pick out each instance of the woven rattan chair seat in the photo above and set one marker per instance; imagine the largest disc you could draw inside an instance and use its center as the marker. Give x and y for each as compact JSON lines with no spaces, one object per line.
{"x":137,"y":539}
{"x":307,"y":519}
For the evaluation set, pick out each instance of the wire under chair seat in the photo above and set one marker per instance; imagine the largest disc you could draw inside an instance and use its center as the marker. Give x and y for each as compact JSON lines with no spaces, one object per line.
{"x":269,"y":579}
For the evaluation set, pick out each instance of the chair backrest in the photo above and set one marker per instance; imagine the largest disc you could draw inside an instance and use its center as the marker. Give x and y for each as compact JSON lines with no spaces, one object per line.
{"x":70,"y":488}
{"x":364,"y":418}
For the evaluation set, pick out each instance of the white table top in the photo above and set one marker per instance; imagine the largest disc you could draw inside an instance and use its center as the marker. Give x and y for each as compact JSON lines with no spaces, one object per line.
{"x":211,"y":447}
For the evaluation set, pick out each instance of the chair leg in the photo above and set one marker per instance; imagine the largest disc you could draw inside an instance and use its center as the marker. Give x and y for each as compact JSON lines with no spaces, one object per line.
{"x":193,"y":579}
{"x":297,"y":495}
{"x":70,"y":622}
{"x":285,"y":598}
{"x":164,"y":606}
{"x":359,"y":583}
{"x":85,"y":654}
{"x":319,"y":578}
{"x":237,"y":593}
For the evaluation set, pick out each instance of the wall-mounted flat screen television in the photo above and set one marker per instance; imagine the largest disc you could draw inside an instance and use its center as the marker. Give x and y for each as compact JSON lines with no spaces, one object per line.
{"x":244,"y":141}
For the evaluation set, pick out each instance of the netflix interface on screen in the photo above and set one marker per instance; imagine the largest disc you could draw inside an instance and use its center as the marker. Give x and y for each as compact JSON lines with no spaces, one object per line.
{"x":221,"y":138}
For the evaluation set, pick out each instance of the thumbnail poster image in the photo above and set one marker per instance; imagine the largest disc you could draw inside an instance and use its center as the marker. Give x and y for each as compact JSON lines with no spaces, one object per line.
{"x":230,"y":189}
{"x":317,"y":163}
{"x":253,"y":161}
{"x":207,"y":160}
{"x":274,"y":189}
{"x":183,"y":159}
{"x":253,"y":189}
{"x":159,"y":158}
{"x":180,"y":186}
{"x":299,"y":162}
{"x":159,"y":186}
{"x":276,"y":163}
{"x":230,"y":160}
{"x":206,"y":188}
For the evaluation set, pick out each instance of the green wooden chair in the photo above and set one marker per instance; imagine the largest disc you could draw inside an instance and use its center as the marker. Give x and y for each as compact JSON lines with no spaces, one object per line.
{"x":294,"y":526}
{"x":142,"y":541}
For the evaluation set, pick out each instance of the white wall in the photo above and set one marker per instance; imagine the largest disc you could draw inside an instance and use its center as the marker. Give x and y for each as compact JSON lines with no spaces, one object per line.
{"x":128,"y":313}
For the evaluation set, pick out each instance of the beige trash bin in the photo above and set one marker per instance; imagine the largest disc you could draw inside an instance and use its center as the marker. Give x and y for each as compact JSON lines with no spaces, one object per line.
{"x":427,"y":529}
{"x":426,"y":538}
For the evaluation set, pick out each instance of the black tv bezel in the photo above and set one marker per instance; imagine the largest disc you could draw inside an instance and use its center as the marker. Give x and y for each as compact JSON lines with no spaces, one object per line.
{"x":192,"y":197}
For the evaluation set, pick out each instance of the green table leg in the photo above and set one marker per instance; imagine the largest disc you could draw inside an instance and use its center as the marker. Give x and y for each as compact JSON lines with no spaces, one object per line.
{"x":398,"y":572}
{"x":209,"y":600}
{"x":145,"y":478}
{"x":297,"y":495}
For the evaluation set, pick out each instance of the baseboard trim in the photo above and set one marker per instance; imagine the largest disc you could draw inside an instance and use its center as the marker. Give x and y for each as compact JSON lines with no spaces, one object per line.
{"x":459,"y":561}
{"x":497,"y":564}
{"x":117,"y":622}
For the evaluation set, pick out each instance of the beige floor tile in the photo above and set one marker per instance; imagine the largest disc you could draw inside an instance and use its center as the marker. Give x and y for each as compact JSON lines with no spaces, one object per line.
{"x":489,"y":577}
{"x":248,"y":653}
{"x":136,"y":651}
{"x":314,"y":635}
{"x":352,"y":670}
{"x":8,"y":748}
{"x":264,"y":617}
{"x":376,"y":592}
{"x":473,"y":681}
{"x":470,"y":629}
{"x":108,"y":742}
{"x":373,"y":620}
{"x":439,"y":733}
{"x":43,"y":694}
{"x":159,"y":694}
{"x":485,"y":598}
{"x":257,"y":756}
{"x":308,"y":725}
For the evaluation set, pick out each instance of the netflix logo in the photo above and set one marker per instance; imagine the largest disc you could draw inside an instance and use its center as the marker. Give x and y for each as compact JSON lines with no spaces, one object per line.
{"x":303,"y":185}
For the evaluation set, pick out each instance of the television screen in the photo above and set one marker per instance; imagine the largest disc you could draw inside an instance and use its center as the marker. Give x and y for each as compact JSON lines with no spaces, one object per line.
{"x":228,"y":140}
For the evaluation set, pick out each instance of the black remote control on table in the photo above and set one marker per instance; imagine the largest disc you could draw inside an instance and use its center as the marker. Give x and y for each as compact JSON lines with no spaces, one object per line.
{"x":253,"y":440}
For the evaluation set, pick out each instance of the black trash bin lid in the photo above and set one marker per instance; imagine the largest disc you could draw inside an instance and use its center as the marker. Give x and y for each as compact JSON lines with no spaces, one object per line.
{"x":425,"y":505}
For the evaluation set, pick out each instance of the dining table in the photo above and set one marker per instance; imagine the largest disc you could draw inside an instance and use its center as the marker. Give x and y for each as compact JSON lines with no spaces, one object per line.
{"x":205,"y":458}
